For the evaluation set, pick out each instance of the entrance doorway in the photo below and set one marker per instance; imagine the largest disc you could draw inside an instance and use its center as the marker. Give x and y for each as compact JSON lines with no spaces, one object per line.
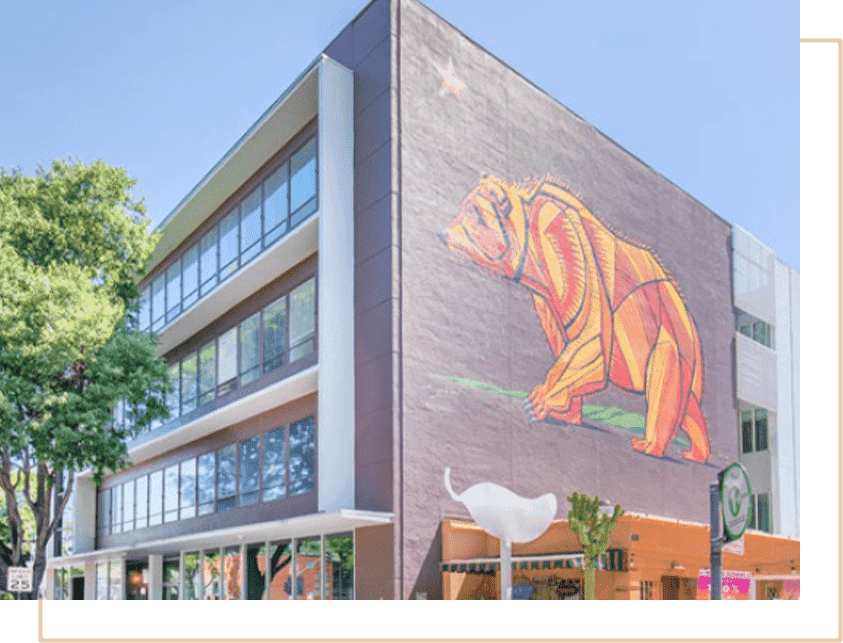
{"x":77,"y":589}
{"x":137,"y":581}
{"x":677,"y":588}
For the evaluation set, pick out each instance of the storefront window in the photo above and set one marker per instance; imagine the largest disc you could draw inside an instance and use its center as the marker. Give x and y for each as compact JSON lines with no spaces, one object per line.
{"x":233,"y":570}
{"x":192,"y":577}
{"x":115,"y":581}
{"x":102,"y":581}
{"x":211,"y":577}
{"x":280,"y":559}
{"x":339,"y":566}
{"x":170,"y":588}
{"x":309,"y":567}
{"x":255,"y":571}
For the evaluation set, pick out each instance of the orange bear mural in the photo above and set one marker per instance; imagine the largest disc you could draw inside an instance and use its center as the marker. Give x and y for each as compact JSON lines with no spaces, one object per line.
{"x":610,"y":310}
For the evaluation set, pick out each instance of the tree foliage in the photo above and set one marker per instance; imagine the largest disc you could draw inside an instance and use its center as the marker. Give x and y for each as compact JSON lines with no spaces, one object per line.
{"x":72,"y":243}
{"x":593,"y":531}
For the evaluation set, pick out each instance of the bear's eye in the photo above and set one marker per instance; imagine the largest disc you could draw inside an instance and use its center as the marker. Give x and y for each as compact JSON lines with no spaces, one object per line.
{"x":480,"y":220}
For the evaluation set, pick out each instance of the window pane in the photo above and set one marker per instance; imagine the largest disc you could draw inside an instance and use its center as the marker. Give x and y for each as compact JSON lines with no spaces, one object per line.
{"x":250,"y":226}
{"x":274,"y":334}
{"x":752,"y":516}
{"x":158,"y":303}
{"x":760,"y":429}
{"x":302,"y":319}
{"x":145,"y":310}
{"x":156,"y":494}
{"x":227,"y":362}
{"x":174,"y":290}
{"x":188,"y":383}
{"x":309,"y":567}
{"x":255,"y":571}
{"x":116,"y":509}
{"x":102,"y":581}
{"x":226,"y":477}
{"x":301,"y":456}
{"x":141,"y":501}
{"x":763,"y":512}
{"x":207,"y":373}
{"x":104,"y":514}
{"x":129,"y":505}
{"x":746,"y":431}
{"x":249,"y":471}
{"x":303,"y":182}
{"x":229,"y":244}
{"x":761,"y":332}
{"x":232,"y":568}
{"x":188,"y":488}
{"x":171,"y":493}
{"x":190,"y":275}
{"x":206,"y":483}
{"x":192,"y":577}
{"x":211,"y":578}
{"x":170,"y":588}
{"x":208,"y":262}
{"x":280,"y":557}
{"x":275,"y":205}
{"x":339,"y":567}
{"x":174,"y":395}
{"x":115,"y":584}
{"x":249,"y":356}
{"x":273,"y":465}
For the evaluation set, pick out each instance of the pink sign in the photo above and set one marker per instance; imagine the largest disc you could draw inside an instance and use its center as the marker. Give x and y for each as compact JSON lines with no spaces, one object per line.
{"x":735,"y":585}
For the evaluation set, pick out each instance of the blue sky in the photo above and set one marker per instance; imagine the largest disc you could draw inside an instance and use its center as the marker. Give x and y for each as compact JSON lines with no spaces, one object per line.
{"x":704,"y":91}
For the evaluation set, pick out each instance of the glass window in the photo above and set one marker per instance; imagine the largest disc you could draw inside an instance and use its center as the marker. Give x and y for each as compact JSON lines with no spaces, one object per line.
{"x":280,"y":584}
{"x":302,"y":320}
{"x":250,"y":226}
{"x":174,"y":395}
{"x":751,"y":524}
{"x":274,"y":334}
{"x":170,"y":586}
{"x":145,"y":311}
{"x":208,"y":262}
{"x":227,"y":362}
{"x":115,"y":581}
{"x":211,"y":578}
{"x":171,"y":493}
{"x":229,"y":248}
{"x":226,"y":477}
{"x":255,"y":571}
{"x":189,"y":383}
{"x":104,"y":512}
{"x":232,"y":571}
{"x":275,"y":205}
{"x":249,"y":355}
{"x":273,"y":465}
{"x":746,"y":431}
{"x":309,"y":568}
{"x":188,"y":488}
{"x":764,"y":512}
{"x":301,"y":456}
{"x":102,"y":581}
{"x":192,"y":577}
{"x":129,"y":505}
{"x":156,"y":496}
{"x":303,"y":182}
{"x":116,"y":509}
{"x":190,"y":275}
{"x":760,"y":429}
{"x":174,"y":290}
{"x":207,"y":373}
{"x":158,"y":309}
{"x":249,"y":471}
{"x":339,"y":567}
{"x":761,"y":333}
{"x":206,"y":483}
{"x":141,"y":501}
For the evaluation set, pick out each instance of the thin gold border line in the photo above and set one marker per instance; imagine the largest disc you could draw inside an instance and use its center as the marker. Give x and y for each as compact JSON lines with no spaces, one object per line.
{"x":838,"y":42}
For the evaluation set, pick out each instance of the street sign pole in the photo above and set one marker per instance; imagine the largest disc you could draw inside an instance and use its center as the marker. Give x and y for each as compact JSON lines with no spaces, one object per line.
{"x":716,"y":541}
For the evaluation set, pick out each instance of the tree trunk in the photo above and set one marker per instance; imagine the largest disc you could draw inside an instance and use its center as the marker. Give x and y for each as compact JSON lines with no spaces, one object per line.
{"x":38,"y":569}
{"x":589,"y":579}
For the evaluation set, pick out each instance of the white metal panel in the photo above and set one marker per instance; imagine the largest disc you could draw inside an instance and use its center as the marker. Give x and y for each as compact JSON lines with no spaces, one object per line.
{"x":756,"y":373}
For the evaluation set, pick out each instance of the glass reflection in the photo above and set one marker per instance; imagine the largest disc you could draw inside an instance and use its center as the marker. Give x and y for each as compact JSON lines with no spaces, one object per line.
{"x":255,"y":571}
{"x":233,"y":570}
{"x":192,"y":577}
{"x":339,"y":566}
{"x":170,"y":589}
{"x":309,"y":568}
{"x":280,"y":557}
{"x":211,"y":577}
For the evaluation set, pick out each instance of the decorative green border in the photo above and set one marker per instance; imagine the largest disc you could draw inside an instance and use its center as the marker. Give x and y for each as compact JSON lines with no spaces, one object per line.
{"x":751,"y":509}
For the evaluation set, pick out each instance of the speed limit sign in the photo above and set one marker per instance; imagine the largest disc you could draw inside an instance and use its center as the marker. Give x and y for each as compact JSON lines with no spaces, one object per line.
{"x":19,"y":579}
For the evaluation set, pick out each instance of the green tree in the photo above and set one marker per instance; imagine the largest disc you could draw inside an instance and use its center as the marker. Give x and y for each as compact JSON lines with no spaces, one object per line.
{"x":593,"y":530}
{"x":72,"y":243}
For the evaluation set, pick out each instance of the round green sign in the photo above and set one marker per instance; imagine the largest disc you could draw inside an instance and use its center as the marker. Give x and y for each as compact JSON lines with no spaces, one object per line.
{"x":735,"y":492}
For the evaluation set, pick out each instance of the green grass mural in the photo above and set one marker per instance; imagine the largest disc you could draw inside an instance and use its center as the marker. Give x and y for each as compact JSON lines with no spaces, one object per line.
{"x":605,"y":415}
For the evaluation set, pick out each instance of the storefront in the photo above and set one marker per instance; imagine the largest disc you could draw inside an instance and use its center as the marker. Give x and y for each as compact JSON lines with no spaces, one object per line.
{"x":648,"y":558}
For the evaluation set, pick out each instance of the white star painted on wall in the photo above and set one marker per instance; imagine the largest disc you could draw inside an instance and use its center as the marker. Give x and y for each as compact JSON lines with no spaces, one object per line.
{"x":450,"y":82}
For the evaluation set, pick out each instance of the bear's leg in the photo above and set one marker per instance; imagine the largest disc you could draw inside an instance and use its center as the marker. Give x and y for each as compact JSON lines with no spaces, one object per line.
{"x":664,"y":393}
{"x":694,"y":425}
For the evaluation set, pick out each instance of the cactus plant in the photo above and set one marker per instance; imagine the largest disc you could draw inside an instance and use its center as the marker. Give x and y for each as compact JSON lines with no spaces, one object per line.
{"x":593,"y":531}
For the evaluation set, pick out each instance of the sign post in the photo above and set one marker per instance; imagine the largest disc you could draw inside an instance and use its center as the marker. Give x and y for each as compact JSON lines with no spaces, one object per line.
{"x":19,"y":579}
{"x":729,"y":497}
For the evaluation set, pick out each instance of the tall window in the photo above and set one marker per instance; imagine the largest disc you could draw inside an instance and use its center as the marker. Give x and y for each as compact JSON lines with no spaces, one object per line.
{"x":207,"y":373}
{"x":189,"y":383}
{"x":173,"y":290}
{"x":190,"y":275}
{"x":145,"y":311}
{"x":142,"y":501}
{"x":171,"y":493}
{"x":754,"y":430}
{"x":301,"y":467}
{"x":128,"y":505}
{"x":174,"y":395}
{"x":249,"y":347}
{"x":116,"y":509}
{"x":303,"y":182}
{"x":249,"y":470}
{"x":227,"y":477}
{"x":250,"y":227}
{"x":275,"y":204}
{"x":754,"y":328}
{"x":187,"y":489}
{"x":302,"y":320}
{"x":192,"y":588}
{"x":104,"y":512}
{"x":227,"y":362}
{"x":760,"y":429}
{"x":170,"y":585}
{"x":207,"y":477}
{"x":158,"y":308}
{"x":764,"y":522}
{"x":273,"y":465}
{"x":208,"y":263}
{"x":274,"y":334}
{"x":229,"y":243}
{"x":156,"y":497}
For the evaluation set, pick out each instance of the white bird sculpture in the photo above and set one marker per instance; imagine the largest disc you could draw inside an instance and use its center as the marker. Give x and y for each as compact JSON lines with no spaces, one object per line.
{"x":505,"y":514}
